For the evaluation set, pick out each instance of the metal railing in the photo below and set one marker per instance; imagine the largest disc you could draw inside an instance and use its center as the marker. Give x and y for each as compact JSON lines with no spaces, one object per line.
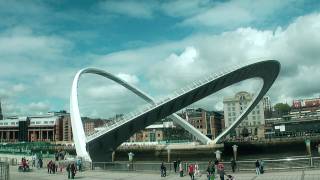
{"x":148,"y":107}
{"x":269,"y":165}
{"x":4,"y":170}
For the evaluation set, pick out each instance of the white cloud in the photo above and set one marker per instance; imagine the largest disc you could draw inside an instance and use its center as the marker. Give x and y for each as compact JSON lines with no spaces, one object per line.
{"x":233,"y":14}
{"x":166,"y":71}
{"x":131,"y":79}
{"x":129,"y":8}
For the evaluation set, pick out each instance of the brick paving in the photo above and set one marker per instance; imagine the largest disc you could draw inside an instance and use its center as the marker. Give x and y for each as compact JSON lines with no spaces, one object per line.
{"x":113,"y":175}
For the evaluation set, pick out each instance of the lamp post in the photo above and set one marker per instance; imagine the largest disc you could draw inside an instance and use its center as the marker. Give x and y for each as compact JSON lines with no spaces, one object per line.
{"x":169,"y":154}
{"x":218,"y":155}
{"x":307,"y":141}
{"x":235,"y":149}
{"x":130,"y":154}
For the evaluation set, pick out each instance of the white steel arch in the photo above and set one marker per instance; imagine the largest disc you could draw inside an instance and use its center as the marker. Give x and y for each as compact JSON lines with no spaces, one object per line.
{"x":265,"y":70}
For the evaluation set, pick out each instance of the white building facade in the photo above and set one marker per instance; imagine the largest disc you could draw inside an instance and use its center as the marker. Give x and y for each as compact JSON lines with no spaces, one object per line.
{"x":253,"y":125}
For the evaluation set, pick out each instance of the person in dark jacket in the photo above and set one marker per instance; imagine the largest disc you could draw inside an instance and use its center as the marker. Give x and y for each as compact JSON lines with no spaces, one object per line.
{"x":73,"y":170}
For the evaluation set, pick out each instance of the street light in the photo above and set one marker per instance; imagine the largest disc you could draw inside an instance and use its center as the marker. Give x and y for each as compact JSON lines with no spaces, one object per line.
{"x":307,"y":141}
{"x":218,"y":155}
{"x":235,"y":148}
{"x":130,"y":154}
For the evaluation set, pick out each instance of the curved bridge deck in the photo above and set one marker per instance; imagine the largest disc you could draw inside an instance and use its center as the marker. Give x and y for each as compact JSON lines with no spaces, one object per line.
{"x":101,"y":144}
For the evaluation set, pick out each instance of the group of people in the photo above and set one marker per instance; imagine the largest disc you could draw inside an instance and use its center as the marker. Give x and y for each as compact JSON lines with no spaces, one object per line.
{"x":24,"y":166}
{"x":71,"y":169}
{"x":217,"y":168}
{"x":259,"y":167}
{"x":37,"y":161}
{"x":213,"y":169}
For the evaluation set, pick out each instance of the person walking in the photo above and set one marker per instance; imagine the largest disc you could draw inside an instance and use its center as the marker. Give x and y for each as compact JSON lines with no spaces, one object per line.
{"x":73,"y":170}
{"x":210,"y":171}
{"x":49,"y":166}
{"x":163,"y":170}
{"x":69,"y":170}
{"x":197,"y":170}
{"x":175,"y":165}
{"x":233,"y":165}
{"x":181,"y":169}
{"x":261,"y":167}
{"x":257,"y":167}
{"x":221,"y":170}
{"x":191,"y":171}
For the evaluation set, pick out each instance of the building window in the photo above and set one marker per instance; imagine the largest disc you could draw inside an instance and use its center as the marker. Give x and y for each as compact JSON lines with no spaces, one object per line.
{"x":45,"y":122}
{"x":233,"y":108}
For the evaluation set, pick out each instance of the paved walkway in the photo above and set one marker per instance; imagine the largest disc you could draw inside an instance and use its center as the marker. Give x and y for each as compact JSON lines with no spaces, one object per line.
{"x":111,"y":175}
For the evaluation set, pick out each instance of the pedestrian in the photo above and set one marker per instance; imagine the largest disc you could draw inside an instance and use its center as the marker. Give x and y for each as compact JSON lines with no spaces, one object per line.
{"x":257,"y":167}
{"x":175,"y":164}
{"x":191,"y":171}
{"x":197,"y":170}
{"x":79,"y":165}
{"x":261,"y":166}
{"x":73,"y":170}
{"x":210,"y":171}
{"x":181,"y":169}
{"x":69,"y":170}
{"x":216,"y":162}
{"x":221,"y":170}
{"x":163,"y":170}
{"x":34,"y":160}
{"x":49,"y":166}
{"x":233,"y":165}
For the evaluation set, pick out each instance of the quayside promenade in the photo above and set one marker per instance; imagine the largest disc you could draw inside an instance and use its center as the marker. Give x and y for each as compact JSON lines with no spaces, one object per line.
{"x":299,"y":174}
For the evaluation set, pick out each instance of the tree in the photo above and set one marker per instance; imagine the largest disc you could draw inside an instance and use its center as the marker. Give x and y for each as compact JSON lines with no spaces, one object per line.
{"x":282,"y":109}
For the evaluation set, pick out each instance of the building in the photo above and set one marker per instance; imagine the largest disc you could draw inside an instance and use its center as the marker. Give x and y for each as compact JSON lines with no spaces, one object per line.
{"x":207,"y":122}
{"x":253,"y":124}
{"x":89,"y":124}
{"x":33,"y":128}
{"x":302,"y":120}
{"x":153,"y":133}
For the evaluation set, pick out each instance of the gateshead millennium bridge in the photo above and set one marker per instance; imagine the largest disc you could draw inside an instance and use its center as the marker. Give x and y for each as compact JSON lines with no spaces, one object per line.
{"x":99,"y":146}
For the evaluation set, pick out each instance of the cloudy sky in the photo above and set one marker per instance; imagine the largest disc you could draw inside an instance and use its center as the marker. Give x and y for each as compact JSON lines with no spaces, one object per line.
{"x":159,"y":46}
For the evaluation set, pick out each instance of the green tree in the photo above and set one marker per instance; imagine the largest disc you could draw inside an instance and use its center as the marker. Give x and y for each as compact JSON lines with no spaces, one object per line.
{"x":282,"y":109}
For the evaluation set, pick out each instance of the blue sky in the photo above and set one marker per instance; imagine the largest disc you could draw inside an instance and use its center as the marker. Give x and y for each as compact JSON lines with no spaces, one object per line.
{"x":158,"y":46}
